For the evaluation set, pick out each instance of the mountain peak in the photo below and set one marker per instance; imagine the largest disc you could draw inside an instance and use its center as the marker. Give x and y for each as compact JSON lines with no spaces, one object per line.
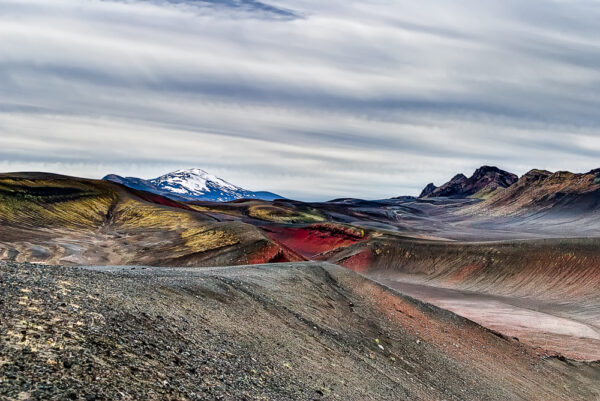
{"x":194,"y":171}
{"x":484,"y":181}
{"x":487,"y":170}
{"x":192,"y":184}
{"x":536,"y":174}
{"x":458,"y":178}
{"x":428,"y":190}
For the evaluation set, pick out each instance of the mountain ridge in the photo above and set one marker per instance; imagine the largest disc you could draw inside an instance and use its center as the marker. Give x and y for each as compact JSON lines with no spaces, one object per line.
{"x":542,"y":190}
{"x":484,"y":182}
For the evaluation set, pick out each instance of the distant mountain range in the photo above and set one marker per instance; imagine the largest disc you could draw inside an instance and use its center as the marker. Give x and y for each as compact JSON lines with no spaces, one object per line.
{"x":190,"y":185}
{"x":501,"y":190}
{"x":537,"y":191}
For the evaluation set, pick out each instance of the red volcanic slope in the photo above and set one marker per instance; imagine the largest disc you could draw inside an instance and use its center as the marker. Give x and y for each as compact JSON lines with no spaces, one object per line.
{"x":358,"y":262}
{"x":561,"y":269}
{"x":314,"y":239}
{"x":273,"y":253}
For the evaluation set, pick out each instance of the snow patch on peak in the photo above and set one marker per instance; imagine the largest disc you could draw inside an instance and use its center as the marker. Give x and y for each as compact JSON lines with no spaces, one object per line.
{"x":193,"y":184}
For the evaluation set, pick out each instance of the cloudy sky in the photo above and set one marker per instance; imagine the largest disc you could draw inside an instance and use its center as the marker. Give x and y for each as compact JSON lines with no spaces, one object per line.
{"x":311,"y":99}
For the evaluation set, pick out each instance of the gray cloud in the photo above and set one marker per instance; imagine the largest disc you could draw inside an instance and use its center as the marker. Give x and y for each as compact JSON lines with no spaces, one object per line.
{"x":308,"y":98}
{"x":250,"y":6}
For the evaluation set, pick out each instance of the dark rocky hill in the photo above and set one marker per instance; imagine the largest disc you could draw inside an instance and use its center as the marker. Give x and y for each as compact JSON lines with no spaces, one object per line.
{"x":484,"y":182}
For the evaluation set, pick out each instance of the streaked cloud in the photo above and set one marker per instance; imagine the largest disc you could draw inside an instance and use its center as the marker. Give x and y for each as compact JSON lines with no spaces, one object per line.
{"x":309,"y":99}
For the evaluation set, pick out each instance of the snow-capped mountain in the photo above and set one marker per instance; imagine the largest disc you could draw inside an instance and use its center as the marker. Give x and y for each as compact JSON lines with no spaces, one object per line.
{"x":192,"y":184}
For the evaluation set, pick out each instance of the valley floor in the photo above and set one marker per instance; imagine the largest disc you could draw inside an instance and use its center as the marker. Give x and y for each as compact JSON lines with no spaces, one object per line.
{"x":570,"y":330}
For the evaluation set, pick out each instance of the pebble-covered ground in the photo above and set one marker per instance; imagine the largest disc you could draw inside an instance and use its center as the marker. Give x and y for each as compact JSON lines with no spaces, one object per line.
{"x":304,"y":331}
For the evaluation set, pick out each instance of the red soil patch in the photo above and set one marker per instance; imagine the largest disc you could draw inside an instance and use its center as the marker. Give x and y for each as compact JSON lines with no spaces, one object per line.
{"x":315,"y":239}
{"x":273,"y":253}
{"x":359,"y":262}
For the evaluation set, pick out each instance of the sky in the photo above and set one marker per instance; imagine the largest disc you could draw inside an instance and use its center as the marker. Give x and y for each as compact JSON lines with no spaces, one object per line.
{"x":311,"y":99}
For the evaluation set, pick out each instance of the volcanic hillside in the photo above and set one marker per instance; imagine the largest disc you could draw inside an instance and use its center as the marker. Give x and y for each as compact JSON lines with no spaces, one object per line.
{"x":58,"y":219}
{"x":556,"y":277}
{"x":540,"y":191}
{"x":285,"y":332}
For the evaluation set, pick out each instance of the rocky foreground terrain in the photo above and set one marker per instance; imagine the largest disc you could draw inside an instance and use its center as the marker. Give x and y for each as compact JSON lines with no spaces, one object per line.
{"x":301,"y":331}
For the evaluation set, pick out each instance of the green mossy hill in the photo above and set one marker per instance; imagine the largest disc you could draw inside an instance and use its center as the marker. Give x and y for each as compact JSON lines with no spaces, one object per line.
{"x":54,"y":200}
